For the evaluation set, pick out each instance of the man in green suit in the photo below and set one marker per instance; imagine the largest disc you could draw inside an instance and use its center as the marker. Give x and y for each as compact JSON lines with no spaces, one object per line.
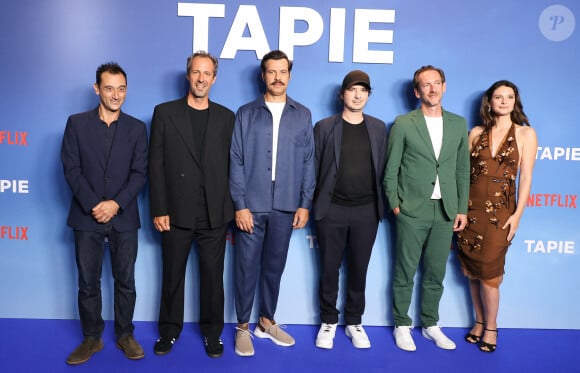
{"x":427,"y":187}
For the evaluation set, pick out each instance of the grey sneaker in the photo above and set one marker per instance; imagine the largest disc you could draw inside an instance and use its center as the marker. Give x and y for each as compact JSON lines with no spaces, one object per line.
{"x":275,"y":333}
{"x":244,"y":346}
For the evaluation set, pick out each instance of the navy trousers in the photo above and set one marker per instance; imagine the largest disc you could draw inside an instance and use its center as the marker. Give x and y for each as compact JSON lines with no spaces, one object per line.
{"x":266,"y":247}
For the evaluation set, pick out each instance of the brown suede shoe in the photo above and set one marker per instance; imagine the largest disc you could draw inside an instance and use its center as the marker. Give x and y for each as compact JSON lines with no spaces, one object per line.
{"x":84,"y":351}
{"x":130,"y":347}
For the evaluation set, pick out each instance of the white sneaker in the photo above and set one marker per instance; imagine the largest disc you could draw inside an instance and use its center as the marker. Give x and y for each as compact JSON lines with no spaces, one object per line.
{"x":435,"y":334}
{"x":358,"y":336}
{"x":325,"y":337}
{"x":403,"y":338}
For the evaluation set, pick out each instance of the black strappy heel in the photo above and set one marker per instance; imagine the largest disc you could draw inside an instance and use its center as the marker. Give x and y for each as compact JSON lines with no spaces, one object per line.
{"x":488,"y":347}
{"x":473,"y":338}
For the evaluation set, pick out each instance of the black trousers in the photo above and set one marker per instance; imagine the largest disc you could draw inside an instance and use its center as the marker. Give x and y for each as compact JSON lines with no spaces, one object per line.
{"x":351,"y":231}
{"x":176,"y":245}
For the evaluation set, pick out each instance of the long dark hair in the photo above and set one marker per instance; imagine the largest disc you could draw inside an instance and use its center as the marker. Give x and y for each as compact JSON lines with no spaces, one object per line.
{"x":517,"y":115}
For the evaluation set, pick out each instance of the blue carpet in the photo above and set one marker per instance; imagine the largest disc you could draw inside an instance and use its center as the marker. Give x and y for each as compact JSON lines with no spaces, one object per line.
{"x":43,"y":346}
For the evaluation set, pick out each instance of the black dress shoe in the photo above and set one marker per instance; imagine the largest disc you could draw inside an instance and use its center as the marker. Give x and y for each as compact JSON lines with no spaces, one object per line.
{"x":163,"y":345}
{"x":214,"y":347}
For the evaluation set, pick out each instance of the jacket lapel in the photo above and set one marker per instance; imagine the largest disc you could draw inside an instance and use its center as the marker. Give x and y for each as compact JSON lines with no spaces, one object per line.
{"x":373,"y":138}
{"x":182,"y":123}
{"x":95,"y":135}
{"x":337,"y":138}
{"x":447,"y":134}
{"x":212,"y":134}
{"x":421,"y":125}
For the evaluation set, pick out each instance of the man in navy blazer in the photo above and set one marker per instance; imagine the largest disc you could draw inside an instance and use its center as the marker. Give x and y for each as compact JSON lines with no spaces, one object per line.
{"x":272,"y":183}
{"x":104,"y":156}
{"x":348,"y":204}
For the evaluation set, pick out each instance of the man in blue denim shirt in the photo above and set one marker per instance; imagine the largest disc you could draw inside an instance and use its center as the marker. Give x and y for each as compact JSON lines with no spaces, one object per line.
{"x":272,"y":185}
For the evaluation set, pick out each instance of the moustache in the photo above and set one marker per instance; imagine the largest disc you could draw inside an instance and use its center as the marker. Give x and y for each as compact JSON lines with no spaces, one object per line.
{"x":277,"y":82}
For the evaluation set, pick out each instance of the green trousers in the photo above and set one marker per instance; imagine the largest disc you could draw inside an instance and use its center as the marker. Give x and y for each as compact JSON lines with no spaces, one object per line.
{"x":428,"y":235}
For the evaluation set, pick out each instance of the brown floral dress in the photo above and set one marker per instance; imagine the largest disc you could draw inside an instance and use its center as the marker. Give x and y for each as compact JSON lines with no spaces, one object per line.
{"x":483,"y":244}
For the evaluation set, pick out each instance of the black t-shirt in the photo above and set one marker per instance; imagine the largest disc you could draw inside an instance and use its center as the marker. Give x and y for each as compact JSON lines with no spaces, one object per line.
{"x":199,"y":122}
{"x":355,"y":179}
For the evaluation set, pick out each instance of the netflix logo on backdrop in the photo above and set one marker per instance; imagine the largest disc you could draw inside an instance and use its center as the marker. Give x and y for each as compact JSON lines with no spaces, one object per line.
{"x":13,"y":233}
{"x":18,"y":138}
{"x":552,"y":200}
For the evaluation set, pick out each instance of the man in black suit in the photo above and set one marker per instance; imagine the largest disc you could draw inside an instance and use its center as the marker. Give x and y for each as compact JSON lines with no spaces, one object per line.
{"x":350,"y":149}
{"x":104,"y":156}
{"x":190,"y":201}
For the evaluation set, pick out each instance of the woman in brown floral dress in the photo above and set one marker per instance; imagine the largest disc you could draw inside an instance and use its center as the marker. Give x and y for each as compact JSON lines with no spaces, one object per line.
{"x":502,"y":145}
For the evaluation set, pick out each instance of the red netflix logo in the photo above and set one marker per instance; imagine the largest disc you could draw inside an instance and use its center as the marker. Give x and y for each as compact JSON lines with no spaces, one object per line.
{"x":552,"y":200}
{"x":13,"y":233}
{"x":13,"y":138}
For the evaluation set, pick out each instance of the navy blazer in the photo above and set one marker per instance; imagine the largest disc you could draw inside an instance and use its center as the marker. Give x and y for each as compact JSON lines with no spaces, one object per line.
{"x":175,"y":170}
{"x":94,"y":178}
{"x":328,"y":140}
{"x":251,"y":158}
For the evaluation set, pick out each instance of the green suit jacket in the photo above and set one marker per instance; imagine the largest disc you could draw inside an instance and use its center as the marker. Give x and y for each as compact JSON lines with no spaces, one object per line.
{"x":412,"y":168}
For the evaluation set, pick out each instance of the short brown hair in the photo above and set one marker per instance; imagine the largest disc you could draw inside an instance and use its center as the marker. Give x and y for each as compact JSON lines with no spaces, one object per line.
{"x":426,"y":68}
{"x":275,"y":55}
{"x":205,"y":54}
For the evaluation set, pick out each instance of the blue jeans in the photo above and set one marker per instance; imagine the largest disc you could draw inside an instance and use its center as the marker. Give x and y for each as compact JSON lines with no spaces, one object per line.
{"x":89,"y":248}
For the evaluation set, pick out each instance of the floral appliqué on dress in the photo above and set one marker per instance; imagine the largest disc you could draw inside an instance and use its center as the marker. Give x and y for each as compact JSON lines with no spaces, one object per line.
{"x":506,"y":172}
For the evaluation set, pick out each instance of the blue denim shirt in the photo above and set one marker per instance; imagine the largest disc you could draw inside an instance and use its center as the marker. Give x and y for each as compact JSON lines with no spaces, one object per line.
{"x":251,"y":158}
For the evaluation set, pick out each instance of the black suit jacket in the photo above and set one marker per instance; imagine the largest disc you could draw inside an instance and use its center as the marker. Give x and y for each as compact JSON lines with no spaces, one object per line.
{"x":175,"y":170}
{"x":328,"y":140}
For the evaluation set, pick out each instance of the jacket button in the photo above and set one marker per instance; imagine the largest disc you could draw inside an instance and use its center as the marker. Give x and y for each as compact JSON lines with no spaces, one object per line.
{"x":433,"y":183}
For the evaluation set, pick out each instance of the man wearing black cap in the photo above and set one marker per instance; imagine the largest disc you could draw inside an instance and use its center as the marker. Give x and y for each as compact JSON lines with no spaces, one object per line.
{"x":350,"y":149}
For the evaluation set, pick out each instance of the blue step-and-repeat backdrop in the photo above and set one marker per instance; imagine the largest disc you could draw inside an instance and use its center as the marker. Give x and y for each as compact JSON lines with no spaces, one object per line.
{"x":50,"y":51}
